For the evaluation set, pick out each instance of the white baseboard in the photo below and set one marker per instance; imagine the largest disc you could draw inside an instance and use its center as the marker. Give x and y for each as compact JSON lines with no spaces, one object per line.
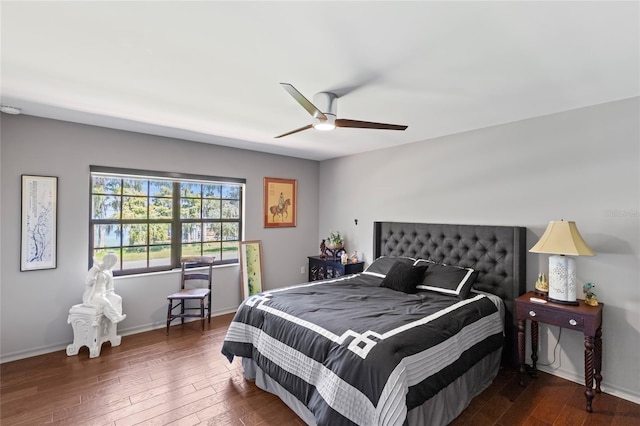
{"x":14,"y":356}
{"x":611,"y":389}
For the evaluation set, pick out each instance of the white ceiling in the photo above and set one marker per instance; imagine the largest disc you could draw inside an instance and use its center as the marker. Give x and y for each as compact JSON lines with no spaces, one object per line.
{"x":210,"y":71}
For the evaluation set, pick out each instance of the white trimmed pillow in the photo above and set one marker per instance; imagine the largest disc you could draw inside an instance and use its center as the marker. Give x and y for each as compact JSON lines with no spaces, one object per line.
{"x":447,"y":279}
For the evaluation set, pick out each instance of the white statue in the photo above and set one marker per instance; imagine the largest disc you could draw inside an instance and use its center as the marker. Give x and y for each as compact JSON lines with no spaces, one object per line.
{"x":99,"y":291}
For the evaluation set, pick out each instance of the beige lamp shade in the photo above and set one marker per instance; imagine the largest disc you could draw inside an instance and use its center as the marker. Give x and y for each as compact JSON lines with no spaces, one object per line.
{"x":562,"y":237}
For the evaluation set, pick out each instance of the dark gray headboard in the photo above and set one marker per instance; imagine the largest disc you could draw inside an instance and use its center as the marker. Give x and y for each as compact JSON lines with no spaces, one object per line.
{"x":498,"y":253}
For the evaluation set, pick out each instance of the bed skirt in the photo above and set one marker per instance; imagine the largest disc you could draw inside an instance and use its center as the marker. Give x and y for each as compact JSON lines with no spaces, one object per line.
{"x":440,"y":410}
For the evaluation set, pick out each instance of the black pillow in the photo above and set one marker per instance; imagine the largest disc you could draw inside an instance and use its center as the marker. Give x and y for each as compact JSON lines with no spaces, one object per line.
{"x":381,"y":266}
{"x":447,"y":279}
{"x":404,"y":277}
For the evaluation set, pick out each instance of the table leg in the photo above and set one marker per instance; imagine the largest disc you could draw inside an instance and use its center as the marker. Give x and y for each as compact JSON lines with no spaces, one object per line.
{"x":598,"y":359}
{"x":534,"y":347}
{"x":588,"y":370}
{"x":521,"y":350}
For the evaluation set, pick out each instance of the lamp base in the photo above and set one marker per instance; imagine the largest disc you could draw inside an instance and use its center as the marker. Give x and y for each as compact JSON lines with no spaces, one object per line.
{"x":562,"y":280}
{"x":564,"y":302}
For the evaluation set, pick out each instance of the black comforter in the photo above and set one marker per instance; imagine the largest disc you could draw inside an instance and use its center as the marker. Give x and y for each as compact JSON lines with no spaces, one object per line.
{"x":357,"y":353}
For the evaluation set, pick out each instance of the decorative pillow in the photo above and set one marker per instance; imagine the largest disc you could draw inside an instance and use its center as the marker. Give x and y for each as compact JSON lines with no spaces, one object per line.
{"x":404,"y":277}
{"x":447,"y":279}
{"x":381,"y":266}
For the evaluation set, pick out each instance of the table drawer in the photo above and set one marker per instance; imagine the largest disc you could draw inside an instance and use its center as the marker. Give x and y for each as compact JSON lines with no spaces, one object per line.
{"x":565,"y":319}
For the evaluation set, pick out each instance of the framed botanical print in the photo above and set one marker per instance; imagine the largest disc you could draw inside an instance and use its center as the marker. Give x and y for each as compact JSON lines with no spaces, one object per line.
{"x":280,"y":202}
{"x":251,"y":267}
{"x":38,"y":230}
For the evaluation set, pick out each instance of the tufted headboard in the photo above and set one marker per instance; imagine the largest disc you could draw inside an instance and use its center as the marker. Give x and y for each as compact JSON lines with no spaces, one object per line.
{"x":498,"y":253}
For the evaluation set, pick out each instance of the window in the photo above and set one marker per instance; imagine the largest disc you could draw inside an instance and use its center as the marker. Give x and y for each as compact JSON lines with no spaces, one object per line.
{"x":151,"y":219}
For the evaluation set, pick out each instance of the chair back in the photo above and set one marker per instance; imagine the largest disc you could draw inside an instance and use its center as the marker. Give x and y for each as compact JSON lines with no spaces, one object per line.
{"x":188,"y":274}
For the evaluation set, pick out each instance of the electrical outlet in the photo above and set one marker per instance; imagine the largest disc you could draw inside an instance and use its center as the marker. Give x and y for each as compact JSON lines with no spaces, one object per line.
{"x":302,"y":269}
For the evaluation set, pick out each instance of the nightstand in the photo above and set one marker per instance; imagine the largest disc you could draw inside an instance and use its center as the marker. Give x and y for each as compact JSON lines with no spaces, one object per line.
{"x":326,"y":268}
{"x":584,"y":318}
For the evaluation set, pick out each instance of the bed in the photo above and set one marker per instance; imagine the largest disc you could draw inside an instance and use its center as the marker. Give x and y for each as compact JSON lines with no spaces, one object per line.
{"x":368,"y":349}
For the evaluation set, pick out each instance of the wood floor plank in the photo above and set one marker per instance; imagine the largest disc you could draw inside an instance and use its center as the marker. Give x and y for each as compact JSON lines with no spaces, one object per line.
{"x":183,"y":379}
{"x":163,"y":404}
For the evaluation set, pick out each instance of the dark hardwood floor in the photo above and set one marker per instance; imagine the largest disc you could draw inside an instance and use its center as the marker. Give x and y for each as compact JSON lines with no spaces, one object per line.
{"x":182,"y":379}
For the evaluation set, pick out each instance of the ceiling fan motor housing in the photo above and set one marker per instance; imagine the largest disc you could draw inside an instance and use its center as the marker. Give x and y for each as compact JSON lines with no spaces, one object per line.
{"x":326,"y":103}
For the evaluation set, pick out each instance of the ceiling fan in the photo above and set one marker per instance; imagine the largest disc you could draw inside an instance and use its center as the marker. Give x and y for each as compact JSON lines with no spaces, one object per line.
{"x":324,"y":114}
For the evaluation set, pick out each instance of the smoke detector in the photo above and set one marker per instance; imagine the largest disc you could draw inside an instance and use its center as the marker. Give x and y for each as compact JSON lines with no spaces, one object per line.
{"x":7,"y":109}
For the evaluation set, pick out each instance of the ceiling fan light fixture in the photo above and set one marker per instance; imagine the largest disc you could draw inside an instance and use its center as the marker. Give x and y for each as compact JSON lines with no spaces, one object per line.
{"x":328,"y":124}
{"x":324,"y":126}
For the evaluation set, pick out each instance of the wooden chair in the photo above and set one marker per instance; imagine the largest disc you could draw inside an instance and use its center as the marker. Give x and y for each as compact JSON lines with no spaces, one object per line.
{"x":189,"y":292}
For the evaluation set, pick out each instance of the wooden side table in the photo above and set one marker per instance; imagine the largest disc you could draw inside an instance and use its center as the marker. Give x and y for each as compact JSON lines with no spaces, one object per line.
{"x":583,"y":317}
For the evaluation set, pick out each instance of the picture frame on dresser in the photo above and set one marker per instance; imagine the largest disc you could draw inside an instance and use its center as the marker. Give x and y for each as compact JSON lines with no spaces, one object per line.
{"x":280,"y":202}
{"x":39,"y":226}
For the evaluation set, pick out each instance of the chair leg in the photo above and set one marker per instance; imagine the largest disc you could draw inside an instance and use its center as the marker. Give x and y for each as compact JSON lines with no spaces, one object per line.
{"x":169,"y":316}
{"x":209,"y":309}
{"x":202,"y":313}
{"x":182,"y":302}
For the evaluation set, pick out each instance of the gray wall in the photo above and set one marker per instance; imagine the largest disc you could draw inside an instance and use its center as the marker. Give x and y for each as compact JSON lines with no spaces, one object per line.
{"x":581,"y":165}
{"x":34,"y":305}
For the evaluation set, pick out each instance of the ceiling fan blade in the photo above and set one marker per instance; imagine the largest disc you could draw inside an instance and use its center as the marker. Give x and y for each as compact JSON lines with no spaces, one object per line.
{"x":294,"y":131}
{"x":342,"y":122}
{"x":306,"y":104}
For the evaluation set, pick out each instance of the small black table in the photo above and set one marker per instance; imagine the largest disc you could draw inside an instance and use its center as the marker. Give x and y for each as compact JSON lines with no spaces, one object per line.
{"x":325,"y":268}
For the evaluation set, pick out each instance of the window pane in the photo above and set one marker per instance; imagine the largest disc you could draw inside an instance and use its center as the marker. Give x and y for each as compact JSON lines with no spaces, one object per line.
{"x":231,"y":191}
{"x":134,"y":186}
{"x":191,"y":232}
{"x":212,"y":249}
{"x":106,"y":185}
{"x":134,"y":257}
{"x":105,"y":207}
{"x":190,"y":208}
{"x":159,"y":233}
{"x":230,"y":250}
{"x":212,"y":231}
{"x":230,"y":231}
{"x":211,"y":209}
{"x":134,"y":235}
{"x":211,"y":191}
{"x":231,"y":209}
{"x":160,"y":208}
{"x":160,"y":255}
{"x":106,"y":235}
{"x":134,"y":207}
{"x":188,"y":189}
{"x":160,"y":188}
{"x":134,"y":216}
{"x":191,"y":249}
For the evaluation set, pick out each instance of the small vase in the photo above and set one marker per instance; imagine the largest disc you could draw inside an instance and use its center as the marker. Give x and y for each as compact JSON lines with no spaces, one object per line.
{"x":334,"y":246}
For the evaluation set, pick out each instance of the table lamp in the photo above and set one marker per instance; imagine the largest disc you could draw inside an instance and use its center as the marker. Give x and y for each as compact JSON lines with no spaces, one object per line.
{"x":562,"y":239}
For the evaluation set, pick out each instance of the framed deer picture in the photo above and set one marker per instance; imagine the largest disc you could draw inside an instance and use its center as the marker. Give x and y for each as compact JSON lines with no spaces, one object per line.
{"x":280,"y":202}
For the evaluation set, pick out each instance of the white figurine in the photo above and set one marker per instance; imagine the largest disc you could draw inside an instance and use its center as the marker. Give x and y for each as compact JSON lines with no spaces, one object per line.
{"x":99,"y":291}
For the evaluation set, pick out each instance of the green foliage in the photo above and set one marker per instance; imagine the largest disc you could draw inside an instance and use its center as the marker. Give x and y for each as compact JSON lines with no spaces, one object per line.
{"x":335,"y":237}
